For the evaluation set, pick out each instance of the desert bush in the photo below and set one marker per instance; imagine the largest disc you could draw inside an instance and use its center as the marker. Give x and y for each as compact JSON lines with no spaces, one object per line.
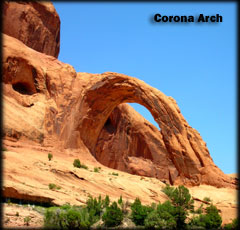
{"x":207,"y":199}
{"x":53,"y":186}
{"x":77,"y":164}
{"x":139,"y":212}
{"x":232,"y":226}
{"x":67,"y":217}
{"x":84,"y":166}
{"x":162,"y":217}
{"x":113,"y":215}
{"x":199,"y":210}
{"x":50,"y":156}
{"x":210,"y":220}
{"x":96,"y":169}
{"x":152,"y":220}
{"x":115,"y":174}
{"x":27,"y":220}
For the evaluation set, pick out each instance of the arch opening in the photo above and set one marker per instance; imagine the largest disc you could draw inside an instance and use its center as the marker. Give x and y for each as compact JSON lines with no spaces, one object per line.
{"x":144,"y":112}
{"x":107,"y":93}
{"x":125,"y":137}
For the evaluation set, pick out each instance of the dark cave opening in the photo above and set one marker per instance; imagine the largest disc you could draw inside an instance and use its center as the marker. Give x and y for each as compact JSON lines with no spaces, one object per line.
{"x":23,"y":88}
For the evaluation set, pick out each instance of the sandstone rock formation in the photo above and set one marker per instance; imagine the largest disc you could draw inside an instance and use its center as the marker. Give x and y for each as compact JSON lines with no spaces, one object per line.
{"x":36,"y":24}
{"x":48,"y":107}
{"x":77,"y":106}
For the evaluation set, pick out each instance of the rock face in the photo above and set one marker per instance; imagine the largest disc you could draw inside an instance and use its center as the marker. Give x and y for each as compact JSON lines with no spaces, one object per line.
{"x":130,"y":143}
{"x":182,"y":144}
{"x":75,"y":110}
{"x":36,"y":24}
{"x":85,"y":112}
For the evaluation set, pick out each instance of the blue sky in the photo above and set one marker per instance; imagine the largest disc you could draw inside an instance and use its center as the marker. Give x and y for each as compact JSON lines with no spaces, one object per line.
{"x":195,"y":63}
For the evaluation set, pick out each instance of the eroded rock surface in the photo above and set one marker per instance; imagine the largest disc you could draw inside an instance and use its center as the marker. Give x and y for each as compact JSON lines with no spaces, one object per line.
{"x":36,"y":24}
{"x":73,"y":108}
{"x":27,"y":172}
{"x":193,"y":164}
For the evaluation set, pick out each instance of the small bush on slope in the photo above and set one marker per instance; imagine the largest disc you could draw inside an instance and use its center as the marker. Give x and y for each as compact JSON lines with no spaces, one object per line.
{"x":77,"y":164}
{"x":232,"y":226}
{"x":50,"y":156}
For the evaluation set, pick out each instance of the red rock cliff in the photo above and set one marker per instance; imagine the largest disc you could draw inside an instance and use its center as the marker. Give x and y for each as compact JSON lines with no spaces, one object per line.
{"x":36,"y":24}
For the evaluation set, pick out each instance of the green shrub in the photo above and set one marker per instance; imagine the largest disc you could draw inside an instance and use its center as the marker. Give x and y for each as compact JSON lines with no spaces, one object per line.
{"x":207,"y":199}
{"x":197,"y":221}
{"x":123,"y":205}
{"x":53,"y":186}
{"x":27,"y":220}
{"x":115,"y":174}
{"x":84,"y":166}
{"x":199,"y":210}
{"x":17,"y":213}
{"x":232,"y":226}
{"x":77,"y":164}
{"x":213,"y":219}
{"x":96,"y":169}
{"x":210,"y":220}
{"x":113,"y":215}
{"x":50,"y":156}
{"x":67,"y":217}
{"x":95,"y":207}
{"x":139,"y":212}
{"x":162,"y":217}
{"x":152,"y":220}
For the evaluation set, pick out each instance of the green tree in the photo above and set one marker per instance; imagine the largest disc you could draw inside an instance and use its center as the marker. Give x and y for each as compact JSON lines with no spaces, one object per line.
{"x":96,"y":207}
{"x":182,"y":201}
{"x":210,"y":220}
{"x":162,"y":217}
{"x":113,"y":215}
{"x":139,"y":212}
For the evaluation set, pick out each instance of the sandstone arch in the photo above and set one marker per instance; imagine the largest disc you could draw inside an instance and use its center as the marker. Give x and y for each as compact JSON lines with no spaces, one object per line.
{"x":106,"y":91}
{"x":77,"y":105}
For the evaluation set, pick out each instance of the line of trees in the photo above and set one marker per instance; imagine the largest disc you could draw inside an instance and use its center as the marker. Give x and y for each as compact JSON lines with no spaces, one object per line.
{"x":176,"y":213}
